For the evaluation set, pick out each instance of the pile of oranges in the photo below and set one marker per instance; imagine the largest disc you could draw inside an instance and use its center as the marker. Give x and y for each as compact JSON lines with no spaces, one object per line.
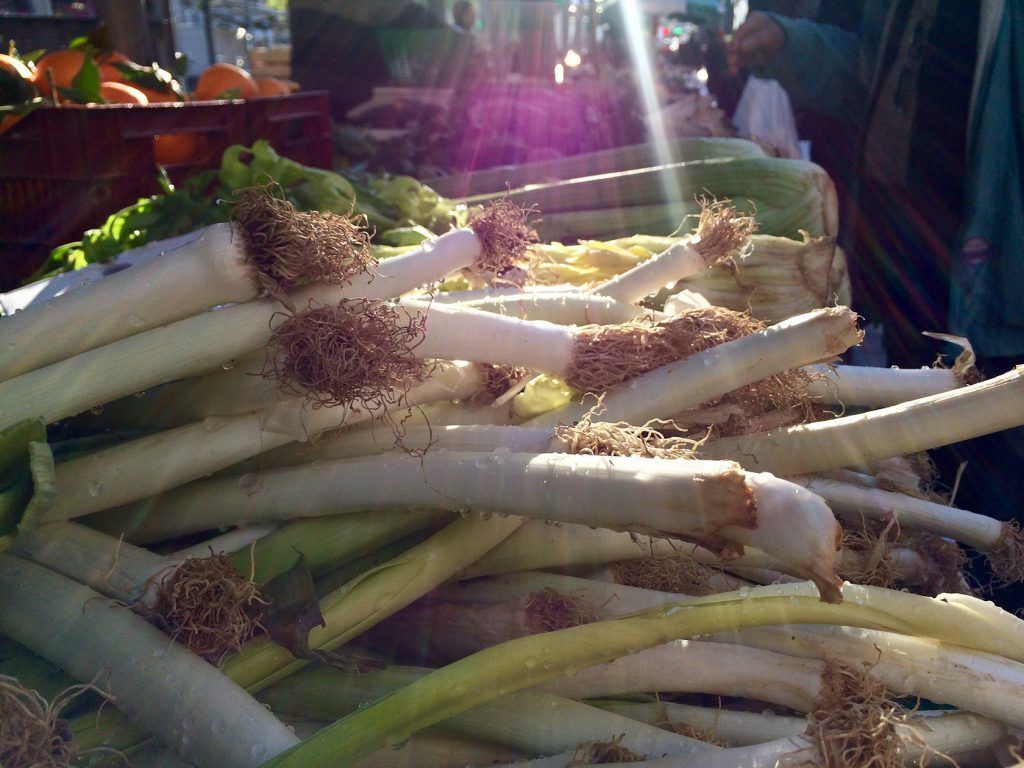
{"x":123,"y":85}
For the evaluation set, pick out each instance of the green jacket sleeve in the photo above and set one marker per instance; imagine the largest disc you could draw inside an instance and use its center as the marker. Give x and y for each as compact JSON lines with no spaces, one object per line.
{"x":987,"y":301}
{"x":825,"y":68}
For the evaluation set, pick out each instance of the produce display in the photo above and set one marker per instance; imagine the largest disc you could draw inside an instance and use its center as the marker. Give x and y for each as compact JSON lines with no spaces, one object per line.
{"x":356,"y":474}
{"x":392,"y":203}
{"x":89,"y":72}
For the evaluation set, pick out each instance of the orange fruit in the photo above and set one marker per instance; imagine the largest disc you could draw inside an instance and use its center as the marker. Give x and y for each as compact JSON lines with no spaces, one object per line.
{"x":271,"y":86}
{"x":158,"y":97}
{"x":64,"y":65}
{"x":175,"y":148}
{"x":15,"y":66}
{"x":119,"y":93}
{"x":219,"y":80}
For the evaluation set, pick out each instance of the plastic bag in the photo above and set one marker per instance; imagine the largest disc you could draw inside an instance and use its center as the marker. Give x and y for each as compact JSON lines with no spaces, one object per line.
{"x":765,"y":115}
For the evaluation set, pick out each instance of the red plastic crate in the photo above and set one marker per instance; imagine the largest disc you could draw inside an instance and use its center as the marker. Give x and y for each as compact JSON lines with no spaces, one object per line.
{"x":65,"y":170}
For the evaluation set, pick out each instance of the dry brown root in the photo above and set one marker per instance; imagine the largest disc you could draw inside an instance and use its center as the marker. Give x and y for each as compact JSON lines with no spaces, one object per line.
{"x":548,"y":609}
{"x":1006,"y":559}
{"x":357,"y":350}
{"x":207,"y":606}
{"x":623,"y":439}
{"x":505,"y":239}
{"x":606,"y":356}
{"x":947,"y":562}
{"x":290,"y":247}
{"x":722,"y":232}
{"x":867,"y":559}
{"x":497,"y":381}
{"x":853,"y":722}
{"x":603,"y":752}
{"x":32,"y":733}
{"x":681,"y":575}
{"x":869,"y":545}
{"x":780,"y":400}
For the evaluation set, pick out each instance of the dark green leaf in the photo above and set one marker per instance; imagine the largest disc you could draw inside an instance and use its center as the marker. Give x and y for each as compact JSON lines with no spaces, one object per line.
{"x":87,"y":81}
{"x":153,"y":77}
{"x":293,"y":609}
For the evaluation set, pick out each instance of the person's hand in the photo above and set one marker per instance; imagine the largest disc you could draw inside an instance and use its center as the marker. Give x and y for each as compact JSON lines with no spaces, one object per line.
{"x":755,"y":43}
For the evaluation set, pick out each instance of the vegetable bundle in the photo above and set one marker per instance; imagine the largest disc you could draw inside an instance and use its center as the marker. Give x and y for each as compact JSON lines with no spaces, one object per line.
{"x":400,"y":563}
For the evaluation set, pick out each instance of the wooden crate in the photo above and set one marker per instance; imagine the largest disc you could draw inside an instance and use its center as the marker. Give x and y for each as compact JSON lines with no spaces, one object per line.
{"x":272,"y":62}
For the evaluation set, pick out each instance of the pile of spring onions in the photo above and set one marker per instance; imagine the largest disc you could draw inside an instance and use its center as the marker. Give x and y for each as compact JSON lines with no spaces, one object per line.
{"x":266,"y":500}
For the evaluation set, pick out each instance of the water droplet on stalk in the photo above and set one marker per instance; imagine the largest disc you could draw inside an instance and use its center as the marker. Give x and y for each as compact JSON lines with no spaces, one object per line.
{"x":95,"y":488}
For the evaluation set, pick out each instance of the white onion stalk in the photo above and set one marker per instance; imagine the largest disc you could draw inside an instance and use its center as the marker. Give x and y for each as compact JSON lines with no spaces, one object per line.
{"x":268,"y":249}
{"x":422,"y":428}
{"x":348,"y":611}
{"x":203,"y":602}
{"x":676,"y":387}
{"x":114,"y":568}
{"x":227,"y":543}
{"x":588,"y":358}
{"x":862,"y":386}
{"x":771,"y":754}
{"x":355,"y":443}
{"x":925,"y":735}
{"x":533,"y":722}
{"x":236,"y":388}
{"x":695,"y":666}
{"x":1002,"y":542}
{"x":984,"y":683}
{"x":855,"y":441}
{"x":933,"y":731}
{"x":210,"y":340}
{"x":721,"y":235}
{"x":562,"y":308}
{"x":172,"y":692}
{"x":539,"y":545}
{"x":737,"y":728}
{"x":709,"y":502}
{"x":436,"y":750}
{"x":155,"y":463}
{"x":494,"y":292}
{"x":50,"y":287}
{"x":537,"y":659}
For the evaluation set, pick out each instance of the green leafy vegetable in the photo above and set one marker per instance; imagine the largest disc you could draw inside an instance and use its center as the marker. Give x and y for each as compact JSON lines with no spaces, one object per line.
{"x":400,"y":203}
